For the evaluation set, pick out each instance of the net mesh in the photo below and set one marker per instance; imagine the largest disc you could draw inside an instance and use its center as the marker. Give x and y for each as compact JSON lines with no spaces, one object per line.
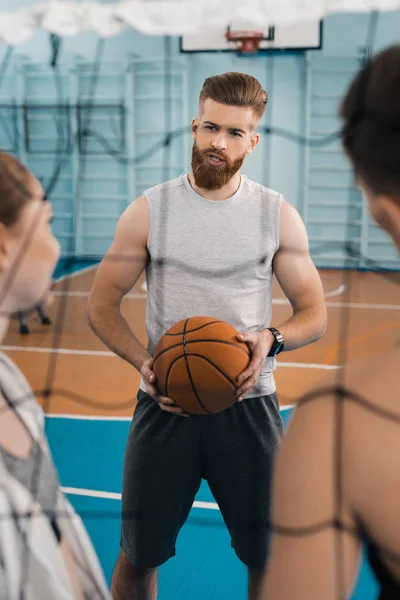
{"x":86,"y":133}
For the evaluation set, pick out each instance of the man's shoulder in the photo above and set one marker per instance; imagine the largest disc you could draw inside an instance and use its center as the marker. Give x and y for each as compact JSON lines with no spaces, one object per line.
{"x":266,"y":192}
{"x":166,"y":186}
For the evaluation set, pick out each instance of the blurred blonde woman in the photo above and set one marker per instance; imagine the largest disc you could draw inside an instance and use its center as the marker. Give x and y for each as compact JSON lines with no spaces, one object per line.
{"x":45,"y":553}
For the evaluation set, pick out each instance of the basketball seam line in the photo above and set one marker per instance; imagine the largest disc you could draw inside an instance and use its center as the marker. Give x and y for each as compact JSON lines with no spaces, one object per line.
{"x":207,"y":360}
{"x":188,"y":369}
{"x":168,"y":373}
{"x":215,"y":367}
{"x":201,"y":341}
{"x":192,"y":330}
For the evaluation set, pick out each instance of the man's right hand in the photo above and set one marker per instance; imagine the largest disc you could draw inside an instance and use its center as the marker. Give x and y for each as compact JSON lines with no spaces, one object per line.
{"x":166,"y":404}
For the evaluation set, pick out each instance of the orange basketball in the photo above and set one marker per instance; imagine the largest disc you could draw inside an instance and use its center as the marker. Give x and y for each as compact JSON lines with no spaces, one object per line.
{"x":197,"y":363}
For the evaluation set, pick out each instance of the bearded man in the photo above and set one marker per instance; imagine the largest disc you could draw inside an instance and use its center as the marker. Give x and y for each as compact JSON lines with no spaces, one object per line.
{"x":210,"y":242}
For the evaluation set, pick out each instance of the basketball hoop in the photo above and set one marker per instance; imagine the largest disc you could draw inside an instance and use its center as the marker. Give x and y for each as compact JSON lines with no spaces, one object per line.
{"x":247,"y":42}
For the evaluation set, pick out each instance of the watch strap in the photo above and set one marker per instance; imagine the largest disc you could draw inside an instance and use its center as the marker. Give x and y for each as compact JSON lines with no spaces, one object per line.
{"x":278,"y":343}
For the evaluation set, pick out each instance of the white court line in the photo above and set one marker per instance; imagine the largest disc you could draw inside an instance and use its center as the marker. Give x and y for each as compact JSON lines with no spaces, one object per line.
{"x":287,"y":407}
{"x":69,"y":351}
{"x":284,"y":302}
{"x":119,"y":419}
{"x":91,"y":493}
{"x":340,"y":290}
{"x":58,"y":351}
{"x":73,"y":294}
{"x":77,"y":294}
{"x":75,"y":273}
{"x":360,"y":305}
{"x":115,"y":496}
{"x":86,"y":417}
{"x":278,"y":301}
{"x":308,"y":366}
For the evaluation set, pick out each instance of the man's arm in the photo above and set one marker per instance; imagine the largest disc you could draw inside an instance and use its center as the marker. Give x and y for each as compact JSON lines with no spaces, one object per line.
{"x":117,"y":274}
{"x":302,"y":285}
{"x":300,"y":282}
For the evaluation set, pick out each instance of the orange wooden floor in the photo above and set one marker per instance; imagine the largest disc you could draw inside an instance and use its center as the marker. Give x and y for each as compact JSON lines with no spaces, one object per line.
{"x":88,"y":379}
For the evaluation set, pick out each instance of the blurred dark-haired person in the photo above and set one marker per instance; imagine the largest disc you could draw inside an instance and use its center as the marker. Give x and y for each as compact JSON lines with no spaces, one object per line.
{"x":337,"y":483}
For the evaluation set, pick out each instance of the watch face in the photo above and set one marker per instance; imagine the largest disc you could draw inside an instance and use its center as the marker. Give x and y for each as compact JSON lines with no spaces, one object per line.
{"x":278,"y":336}
{"x":278,"y":344}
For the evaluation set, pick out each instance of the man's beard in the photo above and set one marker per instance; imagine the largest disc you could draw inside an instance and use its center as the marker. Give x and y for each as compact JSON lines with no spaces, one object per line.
{"x":208,"y":177}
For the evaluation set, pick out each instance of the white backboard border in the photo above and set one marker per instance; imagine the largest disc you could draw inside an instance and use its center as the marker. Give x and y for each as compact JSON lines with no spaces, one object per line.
{"x":188,"y":44}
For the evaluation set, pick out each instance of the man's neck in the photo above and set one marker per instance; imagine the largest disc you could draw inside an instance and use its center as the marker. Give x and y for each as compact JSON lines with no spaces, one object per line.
{"x":227,"y":191}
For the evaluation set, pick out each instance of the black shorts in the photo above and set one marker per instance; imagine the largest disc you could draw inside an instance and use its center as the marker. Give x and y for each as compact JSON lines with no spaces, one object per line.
{"x":166,"y":458}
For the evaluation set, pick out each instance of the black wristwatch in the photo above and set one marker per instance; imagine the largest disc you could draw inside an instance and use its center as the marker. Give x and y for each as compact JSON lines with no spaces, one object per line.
{"x":278,"y":344}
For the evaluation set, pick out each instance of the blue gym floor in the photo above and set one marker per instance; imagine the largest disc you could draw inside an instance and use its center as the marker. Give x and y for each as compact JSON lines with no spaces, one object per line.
{"x":89,"y":455}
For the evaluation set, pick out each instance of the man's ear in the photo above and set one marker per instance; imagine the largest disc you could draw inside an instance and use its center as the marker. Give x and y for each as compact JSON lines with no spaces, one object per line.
{"x":195,"y":126}
{"x":255,"y":138}
{"x":4,"y":249}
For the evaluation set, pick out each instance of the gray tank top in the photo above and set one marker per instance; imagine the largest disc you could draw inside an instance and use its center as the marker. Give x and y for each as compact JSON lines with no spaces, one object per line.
{"x":212,"y":258}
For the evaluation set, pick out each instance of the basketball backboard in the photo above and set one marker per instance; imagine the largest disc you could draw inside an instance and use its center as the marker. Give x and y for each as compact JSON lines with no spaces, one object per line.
{"x":303,"y":36}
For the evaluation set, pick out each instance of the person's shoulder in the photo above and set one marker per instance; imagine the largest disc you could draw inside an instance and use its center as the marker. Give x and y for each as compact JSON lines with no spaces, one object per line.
{"x":264,"y":191}
{"x":165,"y":187}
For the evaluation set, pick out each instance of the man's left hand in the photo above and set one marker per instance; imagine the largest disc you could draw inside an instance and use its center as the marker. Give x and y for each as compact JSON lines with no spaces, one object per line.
{"x":260,"y":344}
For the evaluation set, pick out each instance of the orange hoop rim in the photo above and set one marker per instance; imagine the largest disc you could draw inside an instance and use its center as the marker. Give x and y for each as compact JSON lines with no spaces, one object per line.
{"x":249,"y":40}
{"x":242,"y":35}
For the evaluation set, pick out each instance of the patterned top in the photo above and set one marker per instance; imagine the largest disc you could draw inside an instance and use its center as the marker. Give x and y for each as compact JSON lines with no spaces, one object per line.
{"x":31,"y":564}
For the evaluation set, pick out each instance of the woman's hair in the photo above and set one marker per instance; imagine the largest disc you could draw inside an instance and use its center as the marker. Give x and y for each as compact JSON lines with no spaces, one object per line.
{"x":14,"y":189}
{"x":371,"y":115}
